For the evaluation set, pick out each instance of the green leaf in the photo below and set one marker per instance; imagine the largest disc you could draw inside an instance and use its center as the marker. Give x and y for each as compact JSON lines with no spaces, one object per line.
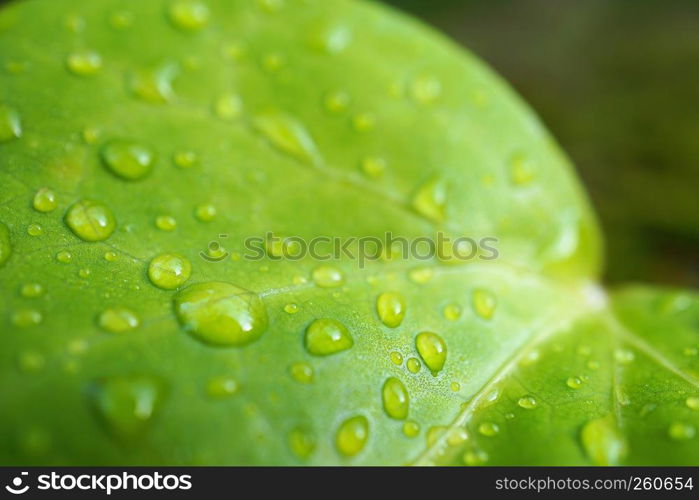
{"x":142,"y":143}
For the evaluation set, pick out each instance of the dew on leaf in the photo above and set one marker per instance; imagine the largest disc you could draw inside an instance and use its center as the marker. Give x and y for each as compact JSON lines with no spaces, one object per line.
{"x":623,"y":356}
{"x":188,"y":15}
{"x":45,"y":200}
{"x":527,"y":402}
{"x":391,"y":308}
{"x":475,"y":457}
{"x":272,"y":62}
{"x":521,"y":169}
{"x":121,"y":20}
{"x":693,"y":402}
{"x":411,"y":429}
{"x":430,"y":200}
{"x":373,"y":166}
{"x":221,"y":386}
{"x":301,"y":372}
{"x":34,"y":229}
{"x":118,"y":320}
{"x":452,"y":312}
{"x":287,"y":135}
{"x":84,"y":273}
{"x":31,"y":362}
{"x":484,"y":303}
{"x":363,"y":122}
{"x":154,"y":85}
{"x":434,"y":434}
{"x":291,"y":308}
{"x":205,"y":212}
{"x":420,"y":275}
{"x":126,"y":405}
{"x":396,"y":358}
{"x":90,"y":220}
{"x":457,"y":436}
{"x":425,"y":89}
{"x":302,"y":442}
{"x":330,"y":38}
{"x":185,"y":158}
{"x":395,"y":398}
{"x":413,"y":365}
{"x":64,"y":257}
{"x":10,"y":124}
{"x":169,"y":271}
{"x":84,"y":63}
{"x":327,"y":277}
{"x":228,"y":106}
{"x":681,"y":431}
{"x":455,"y":386}
{"x":31,"y":290}
{"x":24,"y":318}
{"x":593,"y":364}
{"x":488,"y":429}
{"x":352,"y":435}
{"x":127,"y":159}
{"x":336,"y":101}
{"x":165,"y":223}
{"x":327,"y":336}
{"x":432,"y":349}
{"x":221,"y":314}
{"x":574,"y":382}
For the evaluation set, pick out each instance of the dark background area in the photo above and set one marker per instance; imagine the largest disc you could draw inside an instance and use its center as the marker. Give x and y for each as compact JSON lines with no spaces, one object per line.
{"x":617,"y":83}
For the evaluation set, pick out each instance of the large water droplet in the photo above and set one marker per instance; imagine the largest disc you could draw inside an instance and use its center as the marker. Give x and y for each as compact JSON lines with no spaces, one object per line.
{"x":391,"y":308}
{"x":432,"y":349}
{"x":302,"y":442}
{"x":90,"y":220}
{"x":603,"y":441}
{"x":693,"y":402}
{"x":327,"y":277}
{"x":327,"y":336}
{"x":527,"y":402}
{"x":84,"y":63}
{"x":127,"y":159}
{"x":681,"y":431}
{"x":45,"y":200}
{"x":430,"y":200}
{"x":221,"y":314}
{"x":24,"y":318}
{"x":154,"y":85}
{"x":169,"y":271}
{"x":352,"y":435}
{"x":10,"y":124}
{"x":188,"y":15}
{"x":488,"y":429}
{"x":395,"y":398}
{"x":118,"y":320}
{"x":289,"y":136}
{"x":127,"y":404}
{"x":484,"y":303}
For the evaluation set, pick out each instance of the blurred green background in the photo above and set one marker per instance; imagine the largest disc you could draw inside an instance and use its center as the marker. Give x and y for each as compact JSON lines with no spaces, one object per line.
{"x":617,"y":83}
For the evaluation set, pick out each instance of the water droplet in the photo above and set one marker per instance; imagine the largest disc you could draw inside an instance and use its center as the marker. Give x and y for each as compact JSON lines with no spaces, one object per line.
{"x":291,"y":308}
{"x":337,"y":101}
{"x":31,"y":362}
{"x":693,"y":402}
{"x":455,"y":386}
{"x":165,"y":223}
{"x":574,"y":382}
{"x":413,"y":365}
{"x":189,"y":15}
{"x":228,"y":106}
{"x":396,"y":358}
{"x":302,"y":372}
{"x":126,"y":405}
{"x":121,"y":20}
{"x":127,"y":159}
{"x":34,"y":230}
{"x":475,"y":457}
{"x":302,"y":442}
{"x":352,"y":435}
{"x":484,"y":303}
{"x":221,"y":386}
{"x":64,"y":257}
{"x":420,"y":275}
{"x":84,"y":63}
{"x":110,"y":256}
{"x":272,"y":62}
{"x":603,"y":441}
{"x":373,"y":166}
{"x":488,"y":429}
{"x":527,"y":402}
{"x":327,"y":277}
{"x":593,"y":364}
{"x":395,"y":398}
{"x":221,"y":314}
{"x":430,"y":200}
{"x":205,"y":212}
{"x":185,"y":159}
{"x":289,"y":136}
{"x":330,"y":38}
{"x":680,"y":431}
{"x":271,"y":6}
{"x":452,"y":312}
{"x":457,"y":436}
{"x":690,"y":351}
{"x":45,"y":200}
{"x":118,"y":320}
{"x":327,"y":336}
{"x":24,"y":318}
{"x":623,"y":356}
{"x":169,"y":271}
{"x":363,"y":122}
{"x":434,"y":434}
{"x":521,"y":169}
{"x":10,"y":124}
{"x":391,"y":308}
{"x":31,"y":290}
{"x":90,"y":220}
{"x":154,"y":85}
{"x":432,"y":350}
{"x":411,"y":429}
{"x":425,"y":89}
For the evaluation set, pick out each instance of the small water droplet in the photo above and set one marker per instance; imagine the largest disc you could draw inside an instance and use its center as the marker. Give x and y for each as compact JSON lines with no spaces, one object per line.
{"x":527,"y":402}
{"x":452,"y":312}
{"x":488,"y":429}
{"x":288,"y":135}
{"x":110,"y":256}
{"x":432,"y":349}
{"x":34,"y":229}
{"x":475,"y":457}
{"x":574,"y":382}
{"x":457,"y":436}
{"x":434,"y":434}
{"x":623,"y":356}
{"x":64,"y":257}
{"x":272,"y":62}
{"x":395,"y":398}
{"x":330,"y":38}
{"x":221,"y":386}
{"x":363,"y":122}
{"x":221,"y":314}
{"x":301,"y":372}
{"x":154,"y":85}
{"x":205,"y":212}
{"x":413,"y":365}
{"x":455,"y":386}
{"x":271,"y":6}
{"x":411,"y":429}
{"x":126,"y":405}
{"x":327,"y":336}
{"x":373,"y":166}
{"x":396,"y":358}
{"x":228,"y":107}
{"x":31,"y":362}
{"x":521,"y":169}
{"x":84,"y":273}
{"x":45,"y":200}
{"x":90,"y":220}
{"x":31,"y":290}
{"x":25,"y":318}
{"x":165,"y":223}
{"x":337,"y":101}
{"x":680,"y":431}
{"x":430,"y":200}
{"x":302,"y":442}
{"x":10,"y":124}
{"x":593,"y":364}
{"x":185,"y":159}
{"x":291,"y":308}
{"x":352,"y":435}
{"x":426,"y":89}
{"x":127,"y":159}
{"x":484,"y":303}
{"x":84,"y":63}
{"x":327,"y":277}
{"x":391,"y":308}
{"x":118,"y":320}
{"x":189,"y":15}
{"x":121,"y":20}
{"x":169,"y":271}
{"x":693,"y":402}
{"x":420,"y":275}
